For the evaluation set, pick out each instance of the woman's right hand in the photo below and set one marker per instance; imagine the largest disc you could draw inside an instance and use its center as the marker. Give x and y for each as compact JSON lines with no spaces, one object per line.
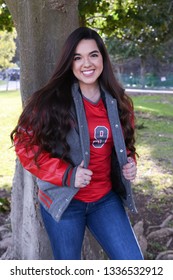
{"x":83,"y":176}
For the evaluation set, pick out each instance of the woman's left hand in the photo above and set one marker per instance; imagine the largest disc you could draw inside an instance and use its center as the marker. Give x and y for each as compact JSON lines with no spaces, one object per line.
{"x":130,"y":169}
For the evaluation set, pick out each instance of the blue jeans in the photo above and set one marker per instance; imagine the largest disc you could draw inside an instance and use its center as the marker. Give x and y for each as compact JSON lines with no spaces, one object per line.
{"x":107,"y":221}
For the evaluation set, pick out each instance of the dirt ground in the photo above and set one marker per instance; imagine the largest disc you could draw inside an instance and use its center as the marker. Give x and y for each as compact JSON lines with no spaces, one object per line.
{"x":4,"y":208}
{"x":4,"y":211}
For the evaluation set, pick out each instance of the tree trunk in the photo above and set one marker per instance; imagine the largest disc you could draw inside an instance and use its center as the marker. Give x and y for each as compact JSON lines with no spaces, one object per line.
{"x":42,"y":27}
{"x":143,"y":70}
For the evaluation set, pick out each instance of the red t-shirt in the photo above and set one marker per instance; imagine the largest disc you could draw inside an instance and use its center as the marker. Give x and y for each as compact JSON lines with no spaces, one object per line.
{"x":101,"y":143}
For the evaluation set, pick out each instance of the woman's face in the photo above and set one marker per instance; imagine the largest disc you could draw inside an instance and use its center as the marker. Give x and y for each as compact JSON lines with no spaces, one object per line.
{"x":87,"y":63}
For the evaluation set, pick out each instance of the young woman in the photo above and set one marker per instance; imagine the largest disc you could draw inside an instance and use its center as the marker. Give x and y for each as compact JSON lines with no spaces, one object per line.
{"x":76,"y":135}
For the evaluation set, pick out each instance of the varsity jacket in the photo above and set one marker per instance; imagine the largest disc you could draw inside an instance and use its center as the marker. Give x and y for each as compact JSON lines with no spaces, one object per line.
{"x":55,"y":177}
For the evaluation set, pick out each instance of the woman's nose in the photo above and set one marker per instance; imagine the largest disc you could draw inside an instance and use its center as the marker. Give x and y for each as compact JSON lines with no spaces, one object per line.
{"x":87,"y":62}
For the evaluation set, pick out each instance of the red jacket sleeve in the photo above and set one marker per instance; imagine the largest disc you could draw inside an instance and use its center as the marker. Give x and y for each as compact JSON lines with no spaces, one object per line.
{"x":53,"y":170}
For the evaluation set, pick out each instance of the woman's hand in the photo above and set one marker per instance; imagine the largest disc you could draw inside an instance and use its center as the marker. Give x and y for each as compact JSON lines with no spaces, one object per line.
{"x":130,"y":169}
{"x":83,"y":176}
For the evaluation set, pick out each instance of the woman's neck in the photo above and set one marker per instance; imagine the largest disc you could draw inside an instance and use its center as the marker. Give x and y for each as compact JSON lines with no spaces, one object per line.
{"x":91,"y":92}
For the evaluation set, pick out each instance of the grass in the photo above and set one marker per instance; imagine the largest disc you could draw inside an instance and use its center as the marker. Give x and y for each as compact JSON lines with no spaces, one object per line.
{"x":10,"y":102}
{"x":153,"y":187}
{"x":154,"y":141}
{"x":158,"y":105}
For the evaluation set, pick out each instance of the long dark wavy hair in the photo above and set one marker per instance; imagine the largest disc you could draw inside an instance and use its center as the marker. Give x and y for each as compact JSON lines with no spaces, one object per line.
{"x":46,"y":118}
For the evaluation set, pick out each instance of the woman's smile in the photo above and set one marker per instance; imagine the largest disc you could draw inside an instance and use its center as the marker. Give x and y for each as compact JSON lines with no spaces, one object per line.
{"x":88,"y":72}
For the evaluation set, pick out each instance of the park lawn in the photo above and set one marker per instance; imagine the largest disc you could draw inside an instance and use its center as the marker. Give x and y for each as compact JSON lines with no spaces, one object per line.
{"x":159,"y":105}
{"x":10,"y":103}
{"x":154,"y":119}
{"x":153,"y":187}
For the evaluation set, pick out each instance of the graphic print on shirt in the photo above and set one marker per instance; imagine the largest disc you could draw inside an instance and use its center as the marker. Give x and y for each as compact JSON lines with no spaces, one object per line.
{"x":101,"y":134}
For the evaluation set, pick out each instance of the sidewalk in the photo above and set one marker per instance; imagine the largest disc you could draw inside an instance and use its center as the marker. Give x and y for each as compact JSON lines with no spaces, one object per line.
{"x":139,"y":91}
{"x":15,"y":85}
{"x":11,"y":85}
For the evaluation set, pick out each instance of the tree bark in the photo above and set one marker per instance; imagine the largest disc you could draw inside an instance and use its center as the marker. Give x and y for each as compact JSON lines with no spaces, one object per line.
{"x":42,"y":27}
{"x":143,"y":70}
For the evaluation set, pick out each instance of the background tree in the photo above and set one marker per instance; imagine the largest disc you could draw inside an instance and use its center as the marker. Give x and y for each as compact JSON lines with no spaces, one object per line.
{"x":142,"y":25}
{"x":42,"y":27}
{"x":7,"y":48}
{"x":6,"y":22}
{"x":142,"y":22}
{"x":134,"y":30}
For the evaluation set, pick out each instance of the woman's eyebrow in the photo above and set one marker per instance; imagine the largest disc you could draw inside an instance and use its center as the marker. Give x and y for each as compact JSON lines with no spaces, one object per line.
{"x":95,"y":51}
{"x":77,"y":54}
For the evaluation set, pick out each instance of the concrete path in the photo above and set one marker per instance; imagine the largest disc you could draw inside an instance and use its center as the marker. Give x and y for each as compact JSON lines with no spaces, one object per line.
{"x":15,"y":85}
{"x":11,"y":85}
{"x":148,"y":91}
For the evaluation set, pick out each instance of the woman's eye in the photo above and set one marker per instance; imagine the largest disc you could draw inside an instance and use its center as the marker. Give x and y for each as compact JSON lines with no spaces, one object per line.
{"x":94,"y":55}
{"x":76,"y":58}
